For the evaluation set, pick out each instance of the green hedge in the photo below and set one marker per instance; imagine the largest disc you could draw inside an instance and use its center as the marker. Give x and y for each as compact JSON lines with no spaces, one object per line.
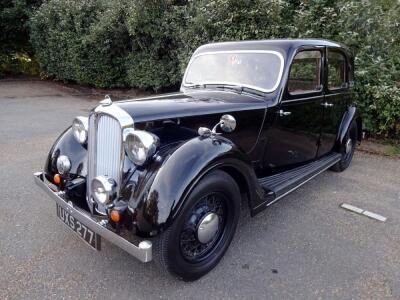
{"x":371,"y":29}
{"x":15,"y":49}
{"x":147,"y":43}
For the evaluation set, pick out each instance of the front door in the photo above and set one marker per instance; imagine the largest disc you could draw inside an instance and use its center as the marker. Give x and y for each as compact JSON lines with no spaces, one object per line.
{"x":337,"y":95}
{"x":294,"y":136}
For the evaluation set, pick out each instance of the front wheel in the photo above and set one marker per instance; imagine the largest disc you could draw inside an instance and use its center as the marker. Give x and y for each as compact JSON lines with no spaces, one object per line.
{"x":347,"y":149}
{"x":196,"y":241}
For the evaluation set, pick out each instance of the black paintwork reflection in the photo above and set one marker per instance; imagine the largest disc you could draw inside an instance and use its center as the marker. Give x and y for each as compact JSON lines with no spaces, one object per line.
{"x":170,"y":183}
{"x":263,"y":142}
{"x":198,"y":102}
{"x":293,"y":139}
{"x":67,"y":145}
{"x":332,"y":119}
{"x":245,"y":135}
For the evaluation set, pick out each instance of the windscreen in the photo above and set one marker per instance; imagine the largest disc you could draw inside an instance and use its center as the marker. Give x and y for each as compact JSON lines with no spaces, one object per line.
{"x":259,"y":70}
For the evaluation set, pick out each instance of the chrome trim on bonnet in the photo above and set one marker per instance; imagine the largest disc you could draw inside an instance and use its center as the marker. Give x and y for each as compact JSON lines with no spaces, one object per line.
{"x":142,"y":252}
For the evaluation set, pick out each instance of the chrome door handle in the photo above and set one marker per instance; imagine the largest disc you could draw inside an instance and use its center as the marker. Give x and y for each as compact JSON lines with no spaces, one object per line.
{"x":284,"y":113}
{"x":326,"y":104}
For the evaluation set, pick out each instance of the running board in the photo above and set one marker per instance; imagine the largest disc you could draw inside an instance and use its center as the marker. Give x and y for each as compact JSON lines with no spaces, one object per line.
{"x":279,"y":185}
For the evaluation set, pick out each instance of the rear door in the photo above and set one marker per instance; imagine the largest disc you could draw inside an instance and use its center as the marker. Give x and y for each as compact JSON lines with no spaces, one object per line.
{"x":293,"y":138}
{"x":337,"y":95}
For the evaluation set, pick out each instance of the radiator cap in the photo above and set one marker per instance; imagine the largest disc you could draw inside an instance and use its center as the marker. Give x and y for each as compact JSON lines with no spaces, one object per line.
{"x":107,"y":101}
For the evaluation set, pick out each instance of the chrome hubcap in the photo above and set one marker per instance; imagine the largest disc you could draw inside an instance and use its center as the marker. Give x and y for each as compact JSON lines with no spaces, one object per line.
{"x":204,"y":227}
{"x":208,"y":228}
{"x":349,"y":146}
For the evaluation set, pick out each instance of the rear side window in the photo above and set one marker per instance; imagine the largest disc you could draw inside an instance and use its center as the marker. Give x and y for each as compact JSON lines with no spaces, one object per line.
{"x":305,"y":72}
{"x":336,"y":70}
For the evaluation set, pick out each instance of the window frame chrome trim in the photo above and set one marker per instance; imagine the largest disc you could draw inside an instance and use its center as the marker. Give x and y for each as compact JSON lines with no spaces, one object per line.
{"x":321,"y":75}
{"x":277,"y":83}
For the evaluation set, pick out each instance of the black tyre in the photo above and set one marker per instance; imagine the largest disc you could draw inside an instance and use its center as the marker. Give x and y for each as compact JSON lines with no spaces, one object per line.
{"x":347,"y":149}
{"x":196,"y":241}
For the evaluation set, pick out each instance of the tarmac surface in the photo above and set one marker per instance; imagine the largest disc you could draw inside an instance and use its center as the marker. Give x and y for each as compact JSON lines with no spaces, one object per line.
{"x":303,"y":247}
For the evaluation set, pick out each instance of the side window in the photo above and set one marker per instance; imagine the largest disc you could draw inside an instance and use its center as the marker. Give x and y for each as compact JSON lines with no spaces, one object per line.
{"x":305,"y":72}
{"x":336,"y":70}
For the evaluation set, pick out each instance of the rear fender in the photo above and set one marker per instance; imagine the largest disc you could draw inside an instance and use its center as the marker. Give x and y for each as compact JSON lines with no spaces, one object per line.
{"x":349,"y":116}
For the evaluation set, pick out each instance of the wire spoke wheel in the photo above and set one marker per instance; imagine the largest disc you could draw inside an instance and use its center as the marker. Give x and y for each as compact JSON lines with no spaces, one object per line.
{"x":203,"y":227}
{"x":200,"y":235}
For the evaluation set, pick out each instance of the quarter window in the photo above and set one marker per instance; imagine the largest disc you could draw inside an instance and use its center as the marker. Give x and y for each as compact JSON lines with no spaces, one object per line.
{"x":336,"y":70}
{"x":305,"y":72}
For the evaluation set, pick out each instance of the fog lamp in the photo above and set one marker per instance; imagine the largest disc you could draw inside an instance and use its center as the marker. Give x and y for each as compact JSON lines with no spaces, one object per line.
{"x":63,"y":164}
{"x":103,"y":189}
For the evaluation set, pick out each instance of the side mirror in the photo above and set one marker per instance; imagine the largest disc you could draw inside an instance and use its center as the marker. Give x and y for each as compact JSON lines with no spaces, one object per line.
{"x":227,"y":123}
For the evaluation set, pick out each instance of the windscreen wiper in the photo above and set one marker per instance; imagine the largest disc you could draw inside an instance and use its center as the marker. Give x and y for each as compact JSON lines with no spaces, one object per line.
{"x":231,"y":87}
{"x":196,"y":86}
{"x":235,"y":88}
{"x":253,"y":91}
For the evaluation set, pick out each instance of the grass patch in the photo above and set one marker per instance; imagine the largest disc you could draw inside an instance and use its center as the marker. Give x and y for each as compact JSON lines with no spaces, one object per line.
{"x":18,"y":64}
{"x":393,"y":150}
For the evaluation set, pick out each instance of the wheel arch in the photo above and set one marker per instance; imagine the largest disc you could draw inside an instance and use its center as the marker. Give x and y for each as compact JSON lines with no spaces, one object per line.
{"x":349,"y":116}
{"x":240,"y":179}
{"x":179,"y":174}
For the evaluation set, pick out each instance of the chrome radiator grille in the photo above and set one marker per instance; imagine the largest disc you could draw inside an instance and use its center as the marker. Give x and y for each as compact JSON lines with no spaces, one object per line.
{"x":106,"y":153}
{"x":105,"y":156}
{"x":108,"y":145}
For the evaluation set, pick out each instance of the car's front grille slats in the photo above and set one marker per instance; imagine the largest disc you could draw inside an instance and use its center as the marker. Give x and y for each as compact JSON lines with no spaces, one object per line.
{"x":108,"y":145}
{"x":104,"y":151}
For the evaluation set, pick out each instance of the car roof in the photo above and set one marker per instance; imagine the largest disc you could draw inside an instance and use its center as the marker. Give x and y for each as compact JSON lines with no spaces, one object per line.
{"x":281,"y":45}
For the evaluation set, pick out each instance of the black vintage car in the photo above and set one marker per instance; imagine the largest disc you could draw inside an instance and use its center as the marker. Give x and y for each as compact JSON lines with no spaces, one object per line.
{"x":166,"y":176}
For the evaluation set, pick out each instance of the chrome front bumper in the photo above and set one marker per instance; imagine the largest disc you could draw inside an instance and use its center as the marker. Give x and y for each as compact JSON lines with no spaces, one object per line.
{"x":143,"y":251}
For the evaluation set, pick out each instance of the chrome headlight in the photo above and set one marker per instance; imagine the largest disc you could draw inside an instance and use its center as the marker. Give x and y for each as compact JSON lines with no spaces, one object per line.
{"x":103,"y":189}
{"x":139,"y":145}
{"x":80,"y":129}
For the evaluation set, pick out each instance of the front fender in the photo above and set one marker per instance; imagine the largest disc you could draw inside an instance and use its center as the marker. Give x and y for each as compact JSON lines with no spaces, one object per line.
{"x":177,"y":176}
{"x":67,"y":145}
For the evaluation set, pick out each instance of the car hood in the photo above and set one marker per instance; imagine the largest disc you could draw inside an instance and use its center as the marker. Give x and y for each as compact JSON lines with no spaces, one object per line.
{"x":189,"y":104}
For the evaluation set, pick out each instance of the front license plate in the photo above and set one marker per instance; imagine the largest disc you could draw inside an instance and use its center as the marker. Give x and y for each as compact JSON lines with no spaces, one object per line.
{"x":90,"y":237}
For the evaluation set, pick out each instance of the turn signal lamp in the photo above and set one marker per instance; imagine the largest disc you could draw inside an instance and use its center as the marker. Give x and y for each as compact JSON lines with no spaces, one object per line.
{"x":115,"y":216}
{"x":57,"y":179}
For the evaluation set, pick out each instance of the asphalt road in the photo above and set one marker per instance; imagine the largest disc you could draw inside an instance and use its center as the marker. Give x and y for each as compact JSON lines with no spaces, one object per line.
{"x":303,"y":247}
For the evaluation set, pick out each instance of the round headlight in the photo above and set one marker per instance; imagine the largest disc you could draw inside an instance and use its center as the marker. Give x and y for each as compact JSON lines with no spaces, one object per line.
{"x":103,"y":189}
{"x":63,"y":164}
{"x":139,"y":145}
{"x":80,"y":129}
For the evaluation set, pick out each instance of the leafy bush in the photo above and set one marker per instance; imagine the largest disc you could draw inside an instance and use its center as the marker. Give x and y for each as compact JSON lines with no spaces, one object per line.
{"x":147,"y":43}
{"x":227,"y":20}
{"x":84,"y":41}
{"x":371,"y":30}
{"x":153,"y":60}
{"x":15,"y":50}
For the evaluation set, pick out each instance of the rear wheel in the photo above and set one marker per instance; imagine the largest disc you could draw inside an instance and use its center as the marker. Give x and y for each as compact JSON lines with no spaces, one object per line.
{"x":196,"y":241}
{"x":347,"y":149}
